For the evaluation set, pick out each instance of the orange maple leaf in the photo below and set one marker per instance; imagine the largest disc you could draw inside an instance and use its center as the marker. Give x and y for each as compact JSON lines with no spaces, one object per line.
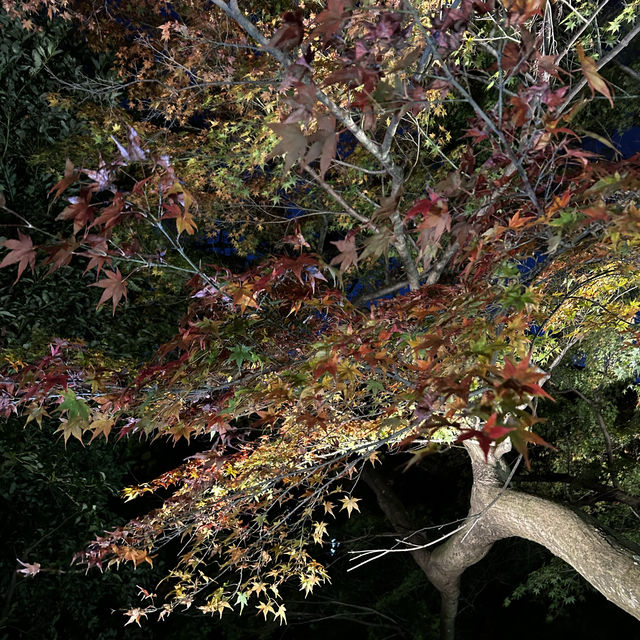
{"x":590,"y":72}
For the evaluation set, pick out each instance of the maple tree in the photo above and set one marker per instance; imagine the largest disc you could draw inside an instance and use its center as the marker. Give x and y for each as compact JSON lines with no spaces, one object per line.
{"x":293,"y":389}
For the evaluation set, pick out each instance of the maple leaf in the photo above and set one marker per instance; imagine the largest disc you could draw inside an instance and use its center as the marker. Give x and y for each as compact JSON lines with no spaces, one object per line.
{"x":184,"y":218}
{"x":70,"y":176}
{"x":28,"y":569}
{"x":266,"y":608}
{"x":101,"y":425}
{"x":134,"y":616}
{"x":72,"y":427}
{"x":110,"y":215}
{"x":114,"y":287}
{"x":281,"y":613}
{"x":79,"y":209}
{"x":323,"y":144}
{"x":348,"y":254}
{"x":243,"y":296}
{"x":289,"y":35}
{"x":328,"y":508}
{"x":349,"y":503}
{"x":594,"y":79}
{"x":329,"y":21}
{"x":520,"y":437}
{"x":21,"y":251}
{"x":522,"y":378}
{"x":103,"y":176}
{"x":186,"y":222}
{"x":319,"y":531}
{"x":136,"y":556}
{"x":293,"y":143}
{"x":330,"y":365}
{"x":494,"y":430}
{"x":377,"y":245}
{"x":432,"y":227}
{"x":60,"y":255}
{"x":483,"y":440}
{"x":36,"y":412}
{"x":217,"y":603}
{"x":521,"y":10}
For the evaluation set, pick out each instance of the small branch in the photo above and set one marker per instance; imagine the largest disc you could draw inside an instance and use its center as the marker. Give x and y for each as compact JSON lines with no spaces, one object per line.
{"x":604,"y":493}
{"x":581,"y":30}
{"x":341,"y":201}
{"x":372,"y":172}
{"x":628,"y":70}
{"x":438,"y":268}
{"x":392,"y":288}
{"x":390,"y":134}
{"x":605,"y":433}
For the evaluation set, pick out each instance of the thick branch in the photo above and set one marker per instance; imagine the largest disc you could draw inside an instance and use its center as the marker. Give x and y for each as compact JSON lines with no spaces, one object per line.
{"x":496,"y":513}
{"x":611,"y":568}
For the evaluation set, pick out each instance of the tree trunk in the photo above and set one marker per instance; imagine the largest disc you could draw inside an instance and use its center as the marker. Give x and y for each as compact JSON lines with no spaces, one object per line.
{"x":497,"y":513}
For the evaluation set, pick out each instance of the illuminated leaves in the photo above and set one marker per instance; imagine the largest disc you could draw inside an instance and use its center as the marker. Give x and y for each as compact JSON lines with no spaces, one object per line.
{"x":290,"y":385}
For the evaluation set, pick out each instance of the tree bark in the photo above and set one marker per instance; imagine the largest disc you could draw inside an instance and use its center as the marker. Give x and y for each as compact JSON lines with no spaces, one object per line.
{"x":496,"y":513}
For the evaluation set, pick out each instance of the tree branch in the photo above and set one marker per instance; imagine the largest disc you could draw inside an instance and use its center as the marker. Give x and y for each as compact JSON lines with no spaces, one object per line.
{"x":599,"y":64}
{"x":604,"y":493}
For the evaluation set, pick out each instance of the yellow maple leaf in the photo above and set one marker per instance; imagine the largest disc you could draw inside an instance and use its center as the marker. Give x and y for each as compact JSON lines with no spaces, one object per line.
{"x":350,"y":503}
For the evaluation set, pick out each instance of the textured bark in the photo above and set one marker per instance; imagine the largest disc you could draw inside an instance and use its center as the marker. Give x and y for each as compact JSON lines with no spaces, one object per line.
{"x":496,"y":513}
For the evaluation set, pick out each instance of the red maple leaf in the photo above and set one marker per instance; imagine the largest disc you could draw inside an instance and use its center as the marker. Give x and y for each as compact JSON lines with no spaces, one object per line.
{"x":79,"y":210}
{"x":330,"y":20}
{"x":330,"y":365}
{"x":289,"y":35}
{"x":21,"y":251}
{"x":494,"y":430}
{"x":348,"y":254}
{"x":114,"y":288}
{"x":70,"y":176}
{"x":110,"y":215}
{"x":522,"y":378}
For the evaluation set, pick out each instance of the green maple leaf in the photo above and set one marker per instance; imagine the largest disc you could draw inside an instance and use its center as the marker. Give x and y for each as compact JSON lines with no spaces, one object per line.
{"x":75,"y":407}
{"x":240,"y":354}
